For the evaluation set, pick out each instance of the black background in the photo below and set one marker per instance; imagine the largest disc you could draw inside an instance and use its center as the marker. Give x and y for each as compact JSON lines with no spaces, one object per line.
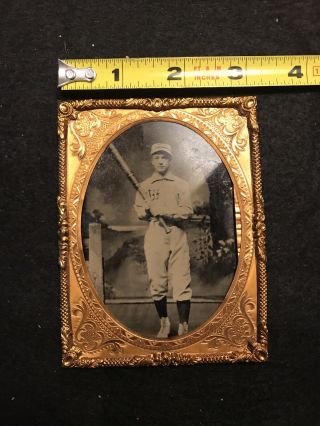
{"x":34,"y":387}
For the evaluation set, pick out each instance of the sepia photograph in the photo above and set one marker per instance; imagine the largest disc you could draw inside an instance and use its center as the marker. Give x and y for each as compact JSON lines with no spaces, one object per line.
{"x":158,"y":229}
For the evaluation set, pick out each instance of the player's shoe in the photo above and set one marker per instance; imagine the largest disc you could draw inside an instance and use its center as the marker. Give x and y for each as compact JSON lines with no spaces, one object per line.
{"x":164,"y":328}
{"x":183,"y":329}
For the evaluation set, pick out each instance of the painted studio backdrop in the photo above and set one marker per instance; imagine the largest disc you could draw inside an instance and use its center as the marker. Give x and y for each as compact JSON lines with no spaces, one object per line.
{"x":113,"y":235}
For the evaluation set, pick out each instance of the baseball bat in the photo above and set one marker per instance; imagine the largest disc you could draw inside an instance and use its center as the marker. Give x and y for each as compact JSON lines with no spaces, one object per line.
{"x":125,"y":167}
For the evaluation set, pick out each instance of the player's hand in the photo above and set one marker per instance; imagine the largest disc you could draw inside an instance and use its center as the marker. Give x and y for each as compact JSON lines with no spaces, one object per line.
{"x":146,"y":215}
{"x":148,"y":212}
{"x":146,"y":206}
{"x":156,"y":211}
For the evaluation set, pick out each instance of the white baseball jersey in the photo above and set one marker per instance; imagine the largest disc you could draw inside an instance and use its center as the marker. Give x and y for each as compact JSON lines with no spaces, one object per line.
{"x":168,"y":193}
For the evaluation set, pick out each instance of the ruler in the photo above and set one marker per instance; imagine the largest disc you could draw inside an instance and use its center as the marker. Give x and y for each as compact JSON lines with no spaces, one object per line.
{"x":189,"y":72}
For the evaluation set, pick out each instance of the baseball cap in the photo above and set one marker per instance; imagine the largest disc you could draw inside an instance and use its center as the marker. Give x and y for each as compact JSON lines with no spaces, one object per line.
{"x":156,"y":147}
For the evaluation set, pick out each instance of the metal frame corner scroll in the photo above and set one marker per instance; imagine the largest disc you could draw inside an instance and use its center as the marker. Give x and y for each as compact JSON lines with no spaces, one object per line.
{"x":97,"y":340}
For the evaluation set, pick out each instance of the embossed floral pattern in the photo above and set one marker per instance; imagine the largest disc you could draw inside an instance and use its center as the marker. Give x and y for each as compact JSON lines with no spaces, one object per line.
{"x":88,"y":336}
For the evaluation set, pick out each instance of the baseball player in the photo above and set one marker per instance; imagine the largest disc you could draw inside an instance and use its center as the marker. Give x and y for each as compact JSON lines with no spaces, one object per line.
{"x":166,"y":247}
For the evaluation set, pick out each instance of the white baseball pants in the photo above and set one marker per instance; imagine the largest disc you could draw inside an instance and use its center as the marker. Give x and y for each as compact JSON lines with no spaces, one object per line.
{"x":168,"y":262}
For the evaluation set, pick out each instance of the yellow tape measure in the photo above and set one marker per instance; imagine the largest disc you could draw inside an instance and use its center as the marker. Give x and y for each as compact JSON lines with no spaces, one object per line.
{"x":192,"y":72}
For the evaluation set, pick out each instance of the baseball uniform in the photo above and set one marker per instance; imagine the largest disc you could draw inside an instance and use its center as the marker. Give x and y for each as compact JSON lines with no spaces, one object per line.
{"x":167,"y":254}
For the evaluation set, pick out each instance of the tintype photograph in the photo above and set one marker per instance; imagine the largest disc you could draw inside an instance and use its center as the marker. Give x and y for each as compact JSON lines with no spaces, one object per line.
{"x":158,"y":229}
{"x":161,"y":232}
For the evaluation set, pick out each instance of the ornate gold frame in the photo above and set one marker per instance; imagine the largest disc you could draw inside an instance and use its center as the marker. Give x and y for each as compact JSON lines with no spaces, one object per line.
{"x":91,"y":337}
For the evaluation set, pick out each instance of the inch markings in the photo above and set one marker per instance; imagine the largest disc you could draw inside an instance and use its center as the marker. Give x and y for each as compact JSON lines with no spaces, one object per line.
{"x":183,"y":72}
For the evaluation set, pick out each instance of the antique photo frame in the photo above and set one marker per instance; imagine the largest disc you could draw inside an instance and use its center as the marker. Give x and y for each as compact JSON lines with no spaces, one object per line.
{"x":201,"y":131}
